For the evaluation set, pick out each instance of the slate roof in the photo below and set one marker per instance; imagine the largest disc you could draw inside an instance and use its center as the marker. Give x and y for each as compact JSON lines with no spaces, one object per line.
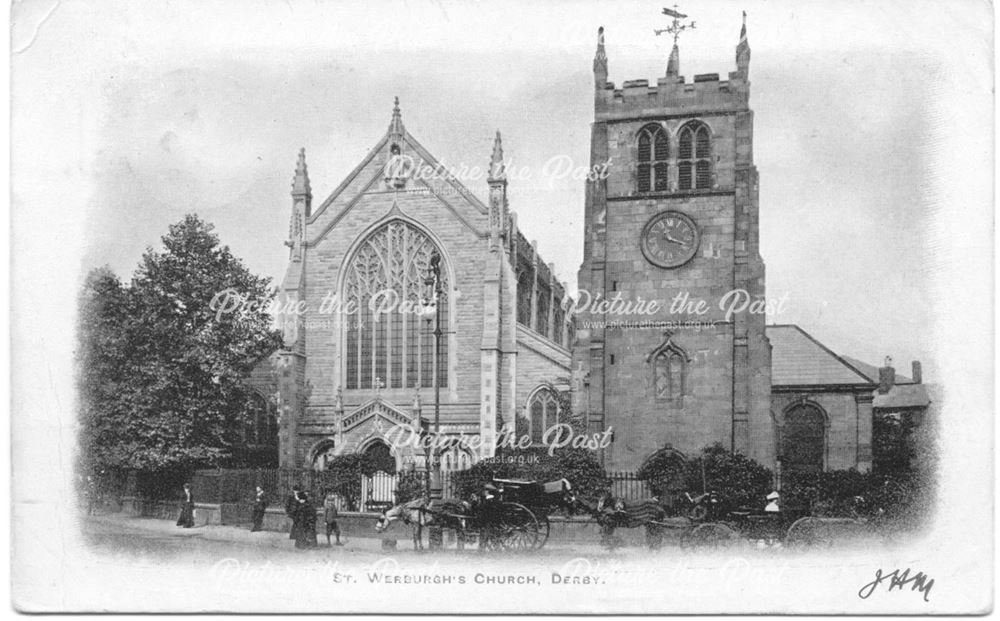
{"x":797,"y":359}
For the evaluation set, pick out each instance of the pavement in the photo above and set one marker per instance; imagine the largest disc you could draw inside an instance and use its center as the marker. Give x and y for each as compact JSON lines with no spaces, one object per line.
{"x":122,"y":532}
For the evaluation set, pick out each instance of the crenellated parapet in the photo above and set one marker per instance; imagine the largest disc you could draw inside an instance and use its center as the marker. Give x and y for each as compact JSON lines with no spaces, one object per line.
{"x":668,"y":97}
{"x":672,"y":94}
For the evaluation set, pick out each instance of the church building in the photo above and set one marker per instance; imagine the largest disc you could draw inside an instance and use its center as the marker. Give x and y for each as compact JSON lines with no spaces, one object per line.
{"x":409,"y":302}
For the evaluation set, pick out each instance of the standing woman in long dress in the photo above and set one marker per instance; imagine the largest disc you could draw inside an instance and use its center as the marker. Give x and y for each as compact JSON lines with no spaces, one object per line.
{"x":307,"y":523}
{"x":186,"y":518}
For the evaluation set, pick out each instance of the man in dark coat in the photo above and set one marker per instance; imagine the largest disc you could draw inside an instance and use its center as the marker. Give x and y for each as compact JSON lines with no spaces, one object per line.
{"x":259,"y":506}
{"x":186,"y":518}
{"x":292,"y":510}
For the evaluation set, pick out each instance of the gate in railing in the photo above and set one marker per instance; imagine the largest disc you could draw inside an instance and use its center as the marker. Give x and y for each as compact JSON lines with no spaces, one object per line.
{"x":378,"y":491}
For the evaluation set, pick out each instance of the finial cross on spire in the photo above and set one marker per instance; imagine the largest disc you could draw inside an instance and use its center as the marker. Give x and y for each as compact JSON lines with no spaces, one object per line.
{"x":677,"y":26}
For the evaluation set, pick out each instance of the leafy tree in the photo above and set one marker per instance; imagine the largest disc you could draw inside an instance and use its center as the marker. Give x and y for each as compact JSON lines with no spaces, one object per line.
{"x":174,"y":391}
{"x":102,"y":361}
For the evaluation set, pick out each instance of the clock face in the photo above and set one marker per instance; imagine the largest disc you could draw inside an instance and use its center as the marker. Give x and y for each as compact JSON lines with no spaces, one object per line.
{"x":670,"y":239}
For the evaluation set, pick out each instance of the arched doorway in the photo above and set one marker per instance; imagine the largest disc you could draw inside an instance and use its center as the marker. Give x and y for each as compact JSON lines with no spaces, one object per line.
{"x":377,"y":457}
{"x":378,"y":480}
{"x":804,"y":439}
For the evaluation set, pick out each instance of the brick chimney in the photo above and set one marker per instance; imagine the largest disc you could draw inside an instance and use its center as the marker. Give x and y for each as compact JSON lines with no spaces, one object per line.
{"x":886,"y":376}
{"x":917,"y":373}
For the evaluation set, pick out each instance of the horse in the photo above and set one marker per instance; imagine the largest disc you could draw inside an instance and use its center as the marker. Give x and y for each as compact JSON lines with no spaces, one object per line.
{"x":420,"y":513}
{"x":410,"y":513}
{"x":612,"y":513}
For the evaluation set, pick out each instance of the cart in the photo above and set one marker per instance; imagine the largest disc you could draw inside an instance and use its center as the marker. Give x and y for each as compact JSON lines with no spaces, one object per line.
{"x":508,"y":515}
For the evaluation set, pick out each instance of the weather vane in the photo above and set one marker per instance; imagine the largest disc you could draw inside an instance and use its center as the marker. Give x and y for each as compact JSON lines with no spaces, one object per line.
{"x":677,"y":27}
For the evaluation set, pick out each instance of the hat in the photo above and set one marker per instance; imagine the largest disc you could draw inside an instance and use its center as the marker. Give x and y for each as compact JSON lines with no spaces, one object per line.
{"x":772,"y":496}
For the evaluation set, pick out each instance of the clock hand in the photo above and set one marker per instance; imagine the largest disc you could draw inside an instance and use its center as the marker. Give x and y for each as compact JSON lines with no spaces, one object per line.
{"x":676,"y":241}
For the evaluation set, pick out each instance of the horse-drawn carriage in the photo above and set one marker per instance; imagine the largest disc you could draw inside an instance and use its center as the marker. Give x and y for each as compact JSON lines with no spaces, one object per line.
{"x":506,"y":515}
{"x":704,"y":525}
{"x":789,"y":527}
{"x":514,"y":515}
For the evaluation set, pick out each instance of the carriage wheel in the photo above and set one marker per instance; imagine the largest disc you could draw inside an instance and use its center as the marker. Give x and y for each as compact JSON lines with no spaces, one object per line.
{"x":807,"y":532}
{"x":543,"y":531}
{"x":824,"y":532}
{"x":711,"y":535}
{"x":519,"y":529}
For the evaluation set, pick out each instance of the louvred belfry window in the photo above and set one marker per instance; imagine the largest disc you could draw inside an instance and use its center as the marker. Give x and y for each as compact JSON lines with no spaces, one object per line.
{"x":694,"y":157}
{"x":396,"y":347}
{"x":652,"y":159}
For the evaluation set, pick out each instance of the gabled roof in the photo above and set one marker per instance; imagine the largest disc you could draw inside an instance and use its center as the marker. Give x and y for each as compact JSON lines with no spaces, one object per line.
{"x":797,"y":359}
{"x":439,"y":180}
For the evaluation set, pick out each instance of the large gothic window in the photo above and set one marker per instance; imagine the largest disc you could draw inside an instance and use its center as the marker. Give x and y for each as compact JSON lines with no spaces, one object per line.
{"x":652,"y":159}
{"x":543,"y":412}
{"x":395,"y":347}
{"x":803,"y":439}
{"x":694,"y":157}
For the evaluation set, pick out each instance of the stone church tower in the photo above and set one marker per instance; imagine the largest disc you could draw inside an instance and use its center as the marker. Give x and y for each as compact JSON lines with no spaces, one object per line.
{"x":674,"y":219}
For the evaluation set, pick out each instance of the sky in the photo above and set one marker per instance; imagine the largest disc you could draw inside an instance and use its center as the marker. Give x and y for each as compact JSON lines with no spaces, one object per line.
{"x":154,"y":111}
